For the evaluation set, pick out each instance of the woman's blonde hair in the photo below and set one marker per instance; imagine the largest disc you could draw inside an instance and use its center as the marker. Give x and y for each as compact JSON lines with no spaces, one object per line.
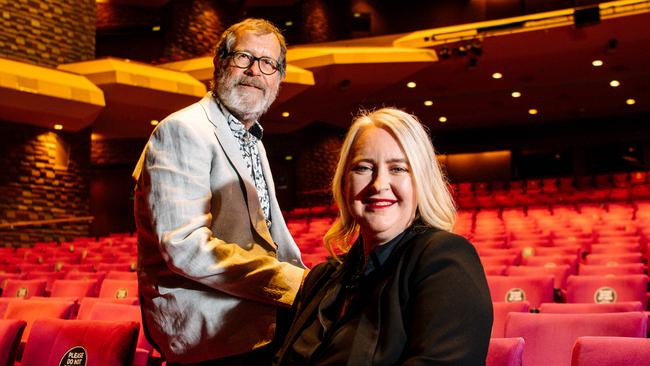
{"x":435,"y":206}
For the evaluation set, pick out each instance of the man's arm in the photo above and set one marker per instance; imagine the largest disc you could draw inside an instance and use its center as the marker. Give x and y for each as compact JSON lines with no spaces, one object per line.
{"x":175,"y":182}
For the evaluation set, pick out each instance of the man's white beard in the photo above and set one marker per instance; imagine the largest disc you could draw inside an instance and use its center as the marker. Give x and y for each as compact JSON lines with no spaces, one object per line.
{"x":246,"y":106}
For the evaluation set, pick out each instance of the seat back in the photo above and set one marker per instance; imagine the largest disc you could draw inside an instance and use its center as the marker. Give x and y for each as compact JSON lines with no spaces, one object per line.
{"x":66,"y":342}
{"x":30,"y":310}
{"x":24,"y":288}
{"x":611,"y":351}
{"x":607,"y":289}
{"x":613,"y":259}
{"x":87,"y":303}
{"x":119,"y":289}
{"x":601,"y":270}
{"x":113,"y":311}
{"x":501,"y":310}
{"x":75,"y":288}
{"x":577,"y":308}
{"x":550,"y":337}
{"x":10,"y":332}
{"x":533,"y":289}
{"x":560,"y":273}
{"x":505,"y":352}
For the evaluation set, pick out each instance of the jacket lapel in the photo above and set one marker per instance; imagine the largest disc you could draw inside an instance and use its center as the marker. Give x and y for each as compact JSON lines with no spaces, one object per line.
{"x":230,"y":147}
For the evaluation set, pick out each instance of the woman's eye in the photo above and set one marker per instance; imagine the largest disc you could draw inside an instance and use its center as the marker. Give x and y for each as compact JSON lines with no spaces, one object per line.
{"x":361,"y":168}
{"x":399,"y":169}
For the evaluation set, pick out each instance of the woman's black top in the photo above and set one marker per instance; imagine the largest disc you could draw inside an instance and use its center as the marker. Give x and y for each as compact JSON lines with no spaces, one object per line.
{"x":420,"y":299}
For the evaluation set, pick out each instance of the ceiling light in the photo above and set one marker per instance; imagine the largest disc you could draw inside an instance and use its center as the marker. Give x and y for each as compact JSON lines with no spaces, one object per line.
{"x":614,"y":83}
{"x":532,"y":111}
{"x":597,"y":63}
{"x":411,"y":84}
{"x":516,"y":94}
{"x":155,"y":28}
{"x":497,"y":75}
{"x":288,"y":157}
{"x":630,"y":101}
{"x":58,"y":127}
{"x":154,"y":122}
{"x":285,"y":114}
{"x":428,"y":103}
{"x":288,"y":23}
{"x":442,"y":119}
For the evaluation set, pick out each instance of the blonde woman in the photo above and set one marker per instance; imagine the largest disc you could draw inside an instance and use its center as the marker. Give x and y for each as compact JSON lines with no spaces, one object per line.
{"x":407,"y":291}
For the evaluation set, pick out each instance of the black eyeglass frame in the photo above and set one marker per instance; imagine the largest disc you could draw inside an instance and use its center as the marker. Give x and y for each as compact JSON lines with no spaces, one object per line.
{"x":275,"y":65}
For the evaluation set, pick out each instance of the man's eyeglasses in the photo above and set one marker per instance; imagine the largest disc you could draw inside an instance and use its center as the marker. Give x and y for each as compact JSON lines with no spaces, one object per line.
{"x":244,"y":60}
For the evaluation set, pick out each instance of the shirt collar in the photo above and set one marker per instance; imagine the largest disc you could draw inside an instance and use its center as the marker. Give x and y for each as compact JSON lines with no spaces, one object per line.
{"x":256,"y":129}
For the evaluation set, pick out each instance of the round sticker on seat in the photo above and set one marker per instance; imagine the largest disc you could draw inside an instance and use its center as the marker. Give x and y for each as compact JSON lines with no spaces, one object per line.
{"x":121,"y":293}
{"x":21,"y":292}
{"x":605,"y":295}
{"x":75,"y":356}
{"x":515,"y":295}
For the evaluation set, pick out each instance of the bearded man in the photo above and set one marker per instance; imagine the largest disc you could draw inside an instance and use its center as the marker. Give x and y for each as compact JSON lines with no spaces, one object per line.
{"x":216,"y":262}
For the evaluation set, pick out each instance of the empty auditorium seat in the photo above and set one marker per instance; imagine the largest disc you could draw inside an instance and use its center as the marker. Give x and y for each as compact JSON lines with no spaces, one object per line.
{"x":113,"y":311}
{"x":24,"y":288}
{"x":11,"y":330}
{"x":75,"y":288}
{"x":607,"y":289}
{"x":620,"y":269}
{"x":505,"y":352}
{"x":87,"y":303}
{"x":611,"y":351}
{"x":62,"y":342}
{"x":501,"y":310}
{"x":577,"y":308}
{"x":613,"y":259}
{"x":550,"y":337}
{"x":121,"y":275}
{"x":29,"y":310}
{"x":560,"y":273}
{"x":119,"y":289}
{"x":533,"y":289}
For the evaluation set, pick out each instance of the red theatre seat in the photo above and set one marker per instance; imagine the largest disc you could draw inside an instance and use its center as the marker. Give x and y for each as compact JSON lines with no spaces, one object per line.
{"x":501,"y":310}
{"x":119,"y":289}
{"x":24,"y":288}
{"x":533,"y":289}
{"x":621,"y":269}
{"x":10,"y":332}
{"x":30,"y":310}
{"x":63,"y":342}
{"x":74,"y":288}
{"x":550,"y":337}
{"x":618,"y":307}
{"x":505,"y":352}
{"x":560,"y":273}
{"x":611,"y":351}
{"x":607,"y":289}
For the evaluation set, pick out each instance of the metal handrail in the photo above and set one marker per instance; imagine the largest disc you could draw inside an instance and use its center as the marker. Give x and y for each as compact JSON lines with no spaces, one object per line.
{"x":13,"y":225}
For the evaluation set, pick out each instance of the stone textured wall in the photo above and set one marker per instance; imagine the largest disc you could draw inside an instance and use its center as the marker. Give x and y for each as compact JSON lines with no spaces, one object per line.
{"x":196,"y":26}
{"x":32,"y":187}
{"x":116,"y":152}
{"x":47,"y":32}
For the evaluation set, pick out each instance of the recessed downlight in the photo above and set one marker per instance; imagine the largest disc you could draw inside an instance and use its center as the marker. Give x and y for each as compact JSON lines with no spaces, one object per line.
{"x":285,"y":114}
{"x":533,"y":111}
{"x":497,"y":75}
{"x":515,"y":94}
{"x":614,"y":83}
{"x":442,"y":119}
{"x":411,"y":84}
{"x":597,"y":63}
{"x":428,"y":103}
{"x":630,"y":101}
